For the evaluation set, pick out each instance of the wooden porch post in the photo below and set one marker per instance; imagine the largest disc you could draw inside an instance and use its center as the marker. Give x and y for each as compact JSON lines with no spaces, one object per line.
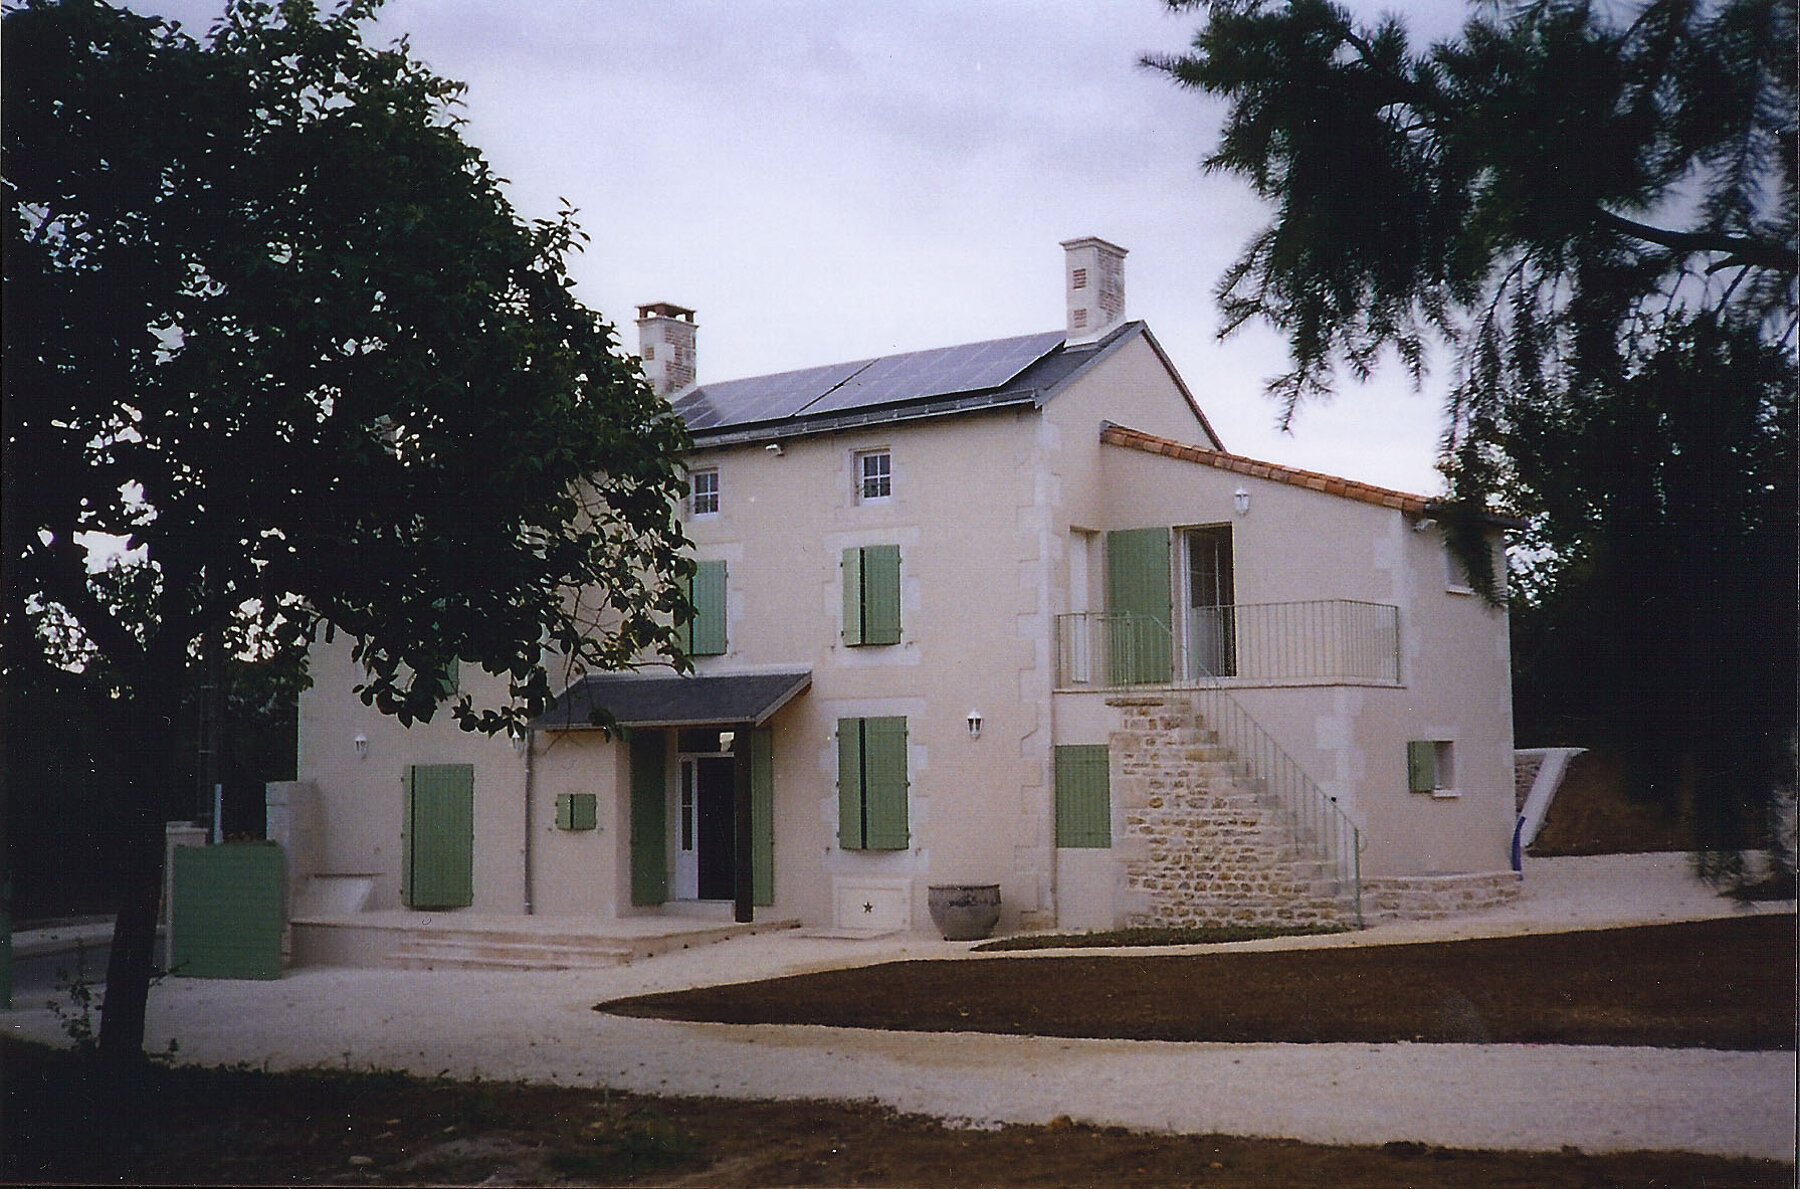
{"x":744,"y":889}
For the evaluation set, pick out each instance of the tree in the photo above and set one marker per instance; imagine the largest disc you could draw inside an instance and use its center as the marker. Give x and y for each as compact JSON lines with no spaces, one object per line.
{"x":1594,"y":208}
{"x":272,"y":330}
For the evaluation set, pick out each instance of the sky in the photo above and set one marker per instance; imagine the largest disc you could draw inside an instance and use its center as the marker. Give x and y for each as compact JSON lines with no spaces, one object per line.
{"x":824,"y":182}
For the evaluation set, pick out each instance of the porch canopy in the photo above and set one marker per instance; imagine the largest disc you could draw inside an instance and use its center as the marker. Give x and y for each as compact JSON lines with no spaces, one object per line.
{"x":672,"y":700}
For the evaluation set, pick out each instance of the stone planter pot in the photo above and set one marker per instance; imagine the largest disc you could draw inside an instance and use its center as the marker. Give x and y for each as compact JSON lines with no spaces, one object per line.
{"x":964,"y":911}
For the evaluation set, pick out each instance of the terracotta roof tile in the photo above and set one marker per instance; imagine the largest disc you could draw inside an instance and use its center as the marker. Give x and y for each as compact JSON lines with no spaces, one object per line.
{"x":1368,"y":493}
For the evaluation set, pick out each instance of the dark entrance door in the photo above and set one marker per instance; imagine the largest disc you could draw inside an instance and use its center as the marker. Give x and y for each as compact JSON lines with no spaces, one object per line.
{"x":714,"y":831}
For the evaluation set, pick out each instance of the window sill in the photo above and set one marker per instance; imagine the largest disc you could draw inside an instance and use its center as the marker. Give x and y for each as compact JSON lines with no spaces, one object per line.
{"x":1445,"y":794}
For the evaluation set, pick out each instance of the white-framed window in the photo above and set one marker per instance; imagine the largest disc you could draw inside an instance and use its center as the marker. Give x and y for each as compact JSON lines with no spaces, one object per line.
{"x":703,"y":493}
{"x":1431,"y":767}
{"x":874,"y":475}
{"x":1456,"y":577}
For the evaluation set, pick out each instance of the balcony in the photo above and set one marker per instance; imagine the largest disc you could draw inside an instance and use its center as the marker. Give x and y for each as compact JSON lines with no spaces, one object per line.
{"x":1319,"y":642}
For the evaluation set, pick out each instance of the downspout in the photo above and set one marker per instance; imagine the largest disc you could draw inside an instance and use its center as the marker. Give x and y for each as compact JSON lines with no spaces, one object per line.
{"x":530,"y":882}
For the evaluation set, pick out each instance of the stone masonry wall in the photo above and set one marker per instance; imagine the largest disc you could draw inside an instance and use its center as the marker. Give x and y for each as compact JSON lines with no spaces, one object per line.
{"x":1433,"y":897}
{"x":1199,"y":845}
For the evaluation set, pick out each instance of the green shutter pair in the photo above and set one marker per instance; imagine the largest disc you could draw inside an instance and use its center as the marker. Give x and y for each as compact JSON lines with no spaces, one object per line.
{"x":705,"y":634}
{"x":1141,"y":644}
{"x":437,"y":862}
{"x":577,"y":811}
{"x":1083,"y":796}
{"x":650,"y":811}
{"x":872,"y":594}
{"x":872,"y":784}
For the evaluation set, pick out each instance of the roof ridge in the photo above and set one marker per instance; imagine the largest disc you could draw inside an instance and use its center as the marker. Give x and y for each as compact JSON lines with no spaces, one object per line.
{"x":1356,"y":489}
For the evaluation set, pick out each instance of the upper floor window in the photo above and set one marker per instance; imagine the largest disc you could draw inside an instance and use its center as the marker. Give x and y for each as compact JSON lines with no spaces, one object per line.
{"x":703,"y":499}
{"x":874,"y":475}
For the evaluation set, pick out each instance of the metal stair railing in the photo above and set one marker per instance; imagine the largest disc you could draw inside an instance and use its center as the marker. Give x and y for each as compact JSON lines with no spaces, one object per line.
{"x":1316,"y":822}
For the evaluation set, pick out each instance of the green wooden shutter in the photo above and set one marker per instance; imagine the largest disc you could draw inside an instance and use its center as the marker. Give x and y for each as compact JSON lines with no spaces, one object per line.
{"x":706,"y":590}
{"x":438,"y":854}
{"x":850,"y":783}
{"x":1421,"y":765}
{"x":1137,"y":586}
{"x":853,"y":596}
{"x":881,"y":594}
{"x":226,"y":911}
{"x":1083,"y":796}
{"x":649,"y":819}
{"x":884,"y":784}
{"x":577,"y":811}
{"x":762,"y":815}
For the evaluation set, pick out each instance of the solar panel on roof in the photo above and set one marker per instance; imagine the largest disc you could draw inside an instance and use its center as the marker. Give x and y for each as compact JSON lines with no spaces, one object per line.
{"x":916,"y":375}
{"x":863,"y":383}
{"x":761,"y":398}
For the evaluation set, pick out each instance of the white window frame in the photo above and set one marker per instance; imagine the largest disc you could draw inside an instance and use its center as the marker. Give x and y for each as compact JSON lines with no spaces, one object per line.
{"x":698,"y":498}
{"x":876,"y":468}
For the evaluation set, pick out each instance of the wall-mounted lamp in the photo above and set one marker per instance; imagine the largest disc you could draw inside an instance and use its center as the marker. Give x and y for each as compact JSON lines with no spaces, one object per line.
{"x":727,"y":739}
{"x":1423,"y":524}
{"x":774,"y":448}
{"x":1240,"y":502}
{"x":361,"y":744}
{"x":519,"y":742}
{"x":974,"y":724}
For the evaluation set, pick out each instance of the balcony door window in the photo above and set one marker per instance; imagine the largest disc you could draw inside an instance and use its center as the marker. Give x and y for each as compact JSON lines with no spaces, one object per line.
{"x":1210,"y":635}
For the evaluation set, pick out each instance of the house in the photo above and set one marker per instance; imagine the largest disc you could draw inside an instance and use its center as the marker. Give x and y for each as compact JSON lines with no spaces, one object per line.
{"x":1001,"y":613}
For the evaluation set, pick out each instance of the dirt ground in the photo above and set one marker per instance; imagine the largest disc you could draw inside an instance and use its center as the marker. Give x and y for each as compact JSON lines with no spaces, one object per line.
{"x":1725,"y":984}
{"x":1592,"y":815}
{"x":186,"y":1125}
{"x":1720,"y":983}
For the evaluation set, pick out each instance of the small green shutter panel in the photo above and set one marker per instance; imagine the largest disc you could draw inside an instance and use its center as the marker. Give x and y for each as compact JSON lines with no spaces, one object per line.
{"x":1421,"y":765}
{"x":649,"y":820}
{"x":881,"y":594}
{"x":577,"y":811}
{"x":762,"y":815}
{"x":850,"y":784}
{"x":853,"y":596}
{"x":438,"y":860}
{"x":884,"y":784}
{"x":706,"y":590}
{"x":1083,"y":796}
{"x":1137,"y":585}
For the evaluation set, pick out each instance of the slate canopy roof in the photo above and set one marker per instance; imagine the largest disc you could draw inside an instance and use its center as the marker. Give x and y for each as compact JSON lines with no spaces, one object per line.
{"x":672,"y":700}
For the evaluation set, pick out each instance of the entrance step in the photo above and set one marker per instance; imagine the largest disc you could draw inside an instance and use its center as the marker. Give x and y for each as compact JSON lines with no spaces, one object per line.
{"x":532,"y":947}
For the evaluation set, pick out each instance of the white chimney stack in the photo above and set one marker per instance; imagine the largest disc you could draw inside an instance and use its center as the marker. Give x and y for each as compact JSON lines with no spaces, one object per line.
{"x":666,"y":345}
{"x":1094,"y":282}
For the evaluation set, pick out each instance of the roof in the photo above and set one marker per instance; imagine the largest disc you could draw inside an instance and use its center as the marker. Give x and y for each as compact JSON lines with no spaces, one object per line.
{"x":1024,"y":370}
{"x":1368,"y":493}
{"x":672,"y":700}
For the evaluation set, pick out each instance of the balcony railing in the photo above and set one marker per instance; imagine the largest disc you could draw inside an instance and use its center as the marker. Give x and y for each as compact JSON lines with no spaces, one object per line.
{"x":1323,"y":641}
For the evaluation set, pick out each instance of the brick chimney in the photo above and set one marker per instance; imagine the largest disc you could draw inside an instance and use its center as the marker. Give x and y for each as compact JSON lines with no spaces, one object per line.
{"x":666,"y":345}
{"x":1094,"y":282}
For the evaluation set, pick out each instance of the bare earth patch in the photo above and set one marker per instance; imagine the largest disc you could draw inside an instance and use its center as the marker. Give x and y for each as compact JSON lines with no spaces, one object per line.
{"x":221,"y":1126}
{"x":1724,"y":984}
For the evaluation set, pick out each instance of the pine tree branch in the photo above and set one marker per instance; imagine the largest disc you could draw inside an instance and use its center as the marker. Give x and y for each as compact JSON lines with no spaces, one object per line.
{"x":1737,"y":249}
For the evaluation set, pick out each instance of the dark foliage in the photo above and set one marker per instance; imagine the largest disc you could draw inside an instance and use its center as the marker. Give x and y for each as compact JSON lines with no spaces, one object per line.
{"x":1594,"y":205}
{"x":272,"y":328}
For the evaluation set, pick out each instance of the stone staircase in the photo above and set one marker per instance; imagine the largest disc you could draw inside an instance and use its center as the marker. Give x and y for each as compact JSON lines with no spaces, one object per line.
{"x":1203,"y":843}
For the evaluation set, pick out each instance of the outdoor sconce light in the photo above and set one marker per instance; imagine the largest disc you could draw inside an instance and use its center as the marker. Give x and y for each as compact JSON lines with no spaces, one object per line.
{"x":361,"y":744}
{"x":519,"y":743}
{"x":727,"y":739}
{"x":974,"y":724}
{"x":1240,"y":502}
{"x":774,"y":448}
